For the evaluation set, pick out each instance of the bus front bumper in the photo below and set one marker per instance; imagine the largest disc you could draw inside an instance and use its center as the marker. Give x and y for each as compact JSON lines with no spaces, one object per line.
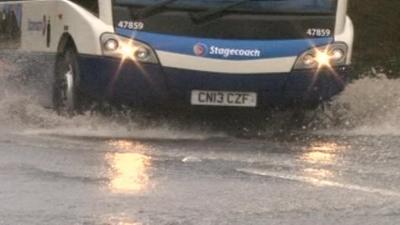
{"x":149,"y":84}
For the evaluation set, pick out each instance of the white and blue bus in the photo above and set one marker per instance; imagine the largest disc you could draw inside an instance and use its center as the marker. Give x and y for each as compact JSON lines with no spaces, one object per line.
{"x":194,"y":53}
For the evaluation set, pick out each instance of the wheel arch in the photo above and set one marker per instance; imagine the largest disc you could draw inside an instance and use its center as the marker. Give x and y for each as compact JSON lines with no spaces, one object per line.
{"x":66,"y":41}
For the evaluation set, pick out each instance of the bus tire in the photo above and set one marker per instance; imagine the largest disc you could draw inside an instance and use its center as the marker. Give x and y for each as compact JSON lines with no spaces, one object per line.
{"x":68,"y":99}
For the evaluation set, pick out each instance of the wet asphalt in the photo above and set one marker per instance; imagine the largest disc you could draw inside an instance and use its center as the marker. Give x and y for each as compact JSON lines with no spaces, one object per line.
{"x":93,"y":170}
{"x":53,"y":178}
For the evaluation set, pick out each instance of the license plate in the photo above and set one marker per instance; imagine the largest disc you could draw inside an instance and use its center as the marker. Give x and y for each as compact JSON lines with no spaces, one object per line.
{"x":224,"y":98}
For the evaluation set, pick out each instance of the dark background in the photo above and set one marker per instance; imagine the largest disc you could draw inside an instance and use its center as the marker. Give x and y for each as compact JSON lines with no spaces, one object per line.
{"x":377,"y":43}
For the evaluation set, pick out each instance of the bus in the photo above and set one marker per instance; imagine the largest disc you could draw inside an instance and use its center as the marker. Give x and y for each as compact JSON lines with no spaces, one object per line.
{"x":252,"y":54}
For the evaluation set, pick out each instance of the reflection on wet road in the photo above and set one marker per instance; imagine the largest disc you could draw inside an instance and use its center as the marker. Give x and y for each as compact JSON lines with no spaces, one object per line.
{"x":319,"y":154}
{"x":318,"y":180}
{"x":128,"y":172}
{"x":128,"y":167}
{"x":322,"y":152}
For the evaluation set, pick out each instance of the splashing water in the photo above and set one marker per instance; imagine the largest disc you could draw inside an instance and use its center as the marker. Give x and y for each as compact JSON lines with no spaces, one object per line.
{"x":26,"y":83}
{"x":368,"y":106}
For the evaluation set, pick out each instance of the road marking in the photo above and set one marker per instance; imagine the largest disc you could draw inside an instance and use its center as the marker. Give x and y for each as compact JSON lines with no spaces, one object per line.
{"x":320,"y":182}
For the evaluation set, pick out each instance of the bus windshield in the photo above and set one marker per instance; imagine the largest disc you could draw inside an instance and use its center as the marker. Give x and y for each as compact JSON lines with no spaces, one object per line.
{"x":227,"y":19}
{"x":268,"y":6}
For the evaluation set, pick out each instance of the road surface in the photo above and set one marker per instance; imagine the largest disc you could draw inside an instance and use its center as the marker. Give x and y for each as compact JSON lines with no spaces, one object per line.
{"x":121,"y":170}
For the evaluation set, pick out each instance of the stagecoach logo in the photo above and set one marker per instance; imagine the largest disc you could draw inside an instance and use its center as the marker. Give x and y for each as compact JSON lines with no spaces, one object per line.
{"x":200,"y":49}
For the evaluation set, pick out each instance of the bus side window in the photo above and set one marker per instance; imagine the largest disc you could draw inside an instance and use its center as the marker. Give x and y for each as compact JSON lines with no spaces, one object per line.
{"x":91,"y":5}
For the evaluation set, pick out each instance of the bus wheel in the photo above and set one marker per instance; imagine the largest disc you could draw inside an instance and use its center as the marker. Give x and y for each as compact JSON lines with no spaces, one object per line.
{"x":67,"y":97}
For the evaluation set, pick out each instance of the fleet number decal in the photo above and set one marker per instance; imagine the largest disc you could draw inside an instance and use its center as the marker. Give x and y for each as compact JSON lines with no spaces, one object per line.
{"x":131,"y":25}
{"x":317,"y":32}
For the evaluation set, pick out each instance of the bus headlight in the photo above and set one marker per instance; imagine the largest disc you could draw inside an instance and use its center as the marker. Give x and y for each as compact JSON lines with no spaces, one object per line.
{"x":325,"y":56}
{"x":142,"y":53}
{"x":338,"y":54}
{"x":111,"y":45}
{"x":125,"y":48}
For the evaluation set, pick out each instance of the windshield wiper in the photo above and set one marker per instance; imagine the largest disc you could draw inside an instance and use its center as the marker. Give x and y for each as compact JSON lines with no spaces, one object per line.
{"x":220,"y":11}
{"x":152,"y":9}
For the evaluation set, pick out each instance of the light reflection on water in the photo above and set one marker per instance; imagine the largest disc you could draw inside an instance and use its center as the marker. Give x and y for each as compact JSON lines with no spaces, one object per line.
{"x":123,"y":220}
{"x":129,"y":167}
{"x":321,"y":155}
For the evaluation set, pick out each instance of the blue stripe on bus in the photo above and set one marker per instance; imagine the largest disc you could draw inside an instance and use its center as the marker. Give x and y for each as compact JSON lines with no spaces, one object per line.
{"x":186,"y":45}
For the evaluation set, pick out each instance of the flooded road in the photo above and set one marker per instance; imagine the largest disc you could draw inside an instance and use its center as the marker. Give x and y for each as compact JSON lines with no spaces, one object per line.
{"x":321,"y":180}
{"x":342,"y":168}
